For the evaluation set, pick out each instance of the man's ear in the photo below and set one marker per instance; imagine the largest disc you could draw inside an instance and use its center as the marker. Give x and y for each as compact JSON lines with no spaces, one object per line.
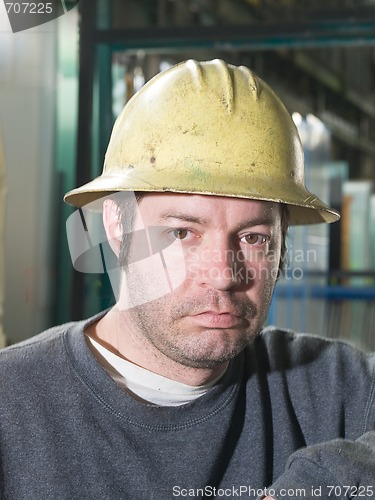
{"x":112,"y":225}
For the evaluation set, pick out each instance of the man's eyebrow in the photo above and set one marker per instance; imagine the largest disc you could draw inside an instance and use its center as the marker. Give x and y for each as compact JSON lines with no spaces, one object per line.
{"x":167,"y":216}
{"x":264,"y":220}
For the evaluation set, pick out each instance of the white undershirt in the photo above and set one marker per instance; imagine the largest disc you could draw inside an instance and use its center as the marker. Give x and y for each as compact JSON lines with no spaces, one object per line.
{"x":144,"y":385}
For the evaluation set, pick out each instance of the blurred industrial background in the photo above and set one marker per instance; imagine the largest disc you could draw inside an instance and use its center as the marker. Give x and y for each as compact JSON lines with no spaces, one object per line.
{"x":63,"y":83}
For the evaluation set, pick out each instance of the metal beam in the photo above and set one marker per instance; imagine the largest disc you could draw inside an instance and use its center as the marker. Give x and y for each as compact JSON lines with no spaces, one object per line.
{"x":357,"y":29}
{"x":83,"y":158}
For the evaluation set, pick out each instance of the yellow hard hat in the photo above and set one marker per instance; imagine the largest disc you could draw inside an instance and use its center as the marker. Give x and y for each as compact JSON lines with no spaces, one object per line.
{"x":207,"y":128}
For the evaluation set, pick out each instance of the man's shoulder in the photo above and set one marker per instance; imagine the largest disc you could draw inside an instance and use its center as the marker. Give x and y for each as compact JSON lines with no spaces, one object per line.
{"x":289,"y":348}
{"x":44,"y":366}
{"x":46,"y":343}
{"x":34,"y":349}
{"x":46,"y":350}
{"x":297,"y":340}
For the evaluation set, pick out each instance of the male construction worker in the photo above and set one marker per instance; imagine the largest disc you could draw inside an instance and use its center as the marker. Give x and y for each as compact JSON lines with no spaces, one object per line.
{"x":178,"y":390}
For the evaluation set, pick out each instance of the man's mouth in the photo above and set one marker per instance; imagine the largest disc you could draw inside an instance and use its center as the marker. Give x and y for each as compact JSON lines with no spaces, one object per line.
{"x":213,"y":319}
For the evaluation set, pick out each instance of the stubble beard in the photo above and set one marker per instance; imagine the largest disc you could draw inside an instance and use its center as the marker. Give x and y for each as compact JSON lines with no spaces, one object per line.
{"x":165,"y":325}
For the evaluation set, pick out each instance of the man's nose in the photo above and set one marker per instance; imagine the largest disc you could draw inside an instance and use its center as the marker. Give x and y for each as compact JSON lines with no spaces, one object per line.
{"x":218,"y":265}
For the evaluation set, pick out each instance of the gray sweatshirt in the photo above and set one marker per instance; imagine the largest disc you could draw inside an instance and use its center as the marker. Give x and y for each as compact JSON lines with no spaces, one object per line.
{"x":293,"y":413}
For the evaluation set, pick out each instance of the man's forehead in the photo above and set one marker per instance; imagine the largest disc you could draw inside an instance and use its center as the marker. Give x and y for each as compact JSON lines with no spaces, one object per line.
{"x":201,"y":208}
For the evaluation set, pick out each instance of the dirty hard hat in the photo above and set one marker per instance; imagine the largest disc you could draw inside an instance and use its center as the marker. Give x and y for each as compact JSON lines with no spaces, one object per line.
{"x":209,"y":128}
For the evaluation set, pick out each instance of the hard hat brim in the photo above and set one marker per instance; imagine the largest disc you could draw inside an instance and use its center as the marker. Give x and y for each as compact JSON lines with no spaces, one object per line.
{"x":304,"y":207}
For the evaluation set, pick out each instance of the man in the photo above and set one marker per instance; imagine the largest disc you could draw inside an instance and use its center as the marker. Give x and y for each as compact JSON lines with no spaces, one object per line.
{"x":177,"y":391}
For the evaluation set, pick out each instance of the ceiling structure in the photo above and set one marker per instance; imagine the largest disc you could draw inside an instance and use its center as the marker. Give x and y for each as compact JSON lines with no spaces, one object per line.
{"x":318,"y":54}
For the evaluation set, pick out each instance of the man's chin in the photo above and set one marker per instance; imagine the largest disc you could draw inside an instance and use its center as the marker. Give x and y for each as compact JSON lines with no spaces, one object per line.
{"x":210,"y":358}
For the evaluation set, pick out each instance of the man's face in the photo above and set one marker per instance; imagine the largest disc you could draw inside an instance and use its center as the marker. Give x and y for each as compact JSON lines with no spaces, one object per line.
{"x":223,"y":254}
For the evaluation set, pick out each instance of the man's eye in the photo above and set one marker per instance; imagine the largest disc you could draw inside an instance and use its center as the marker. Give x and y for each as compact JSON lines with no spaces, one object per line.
{"x":255,"y":239}
{"x":180,"y":233}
